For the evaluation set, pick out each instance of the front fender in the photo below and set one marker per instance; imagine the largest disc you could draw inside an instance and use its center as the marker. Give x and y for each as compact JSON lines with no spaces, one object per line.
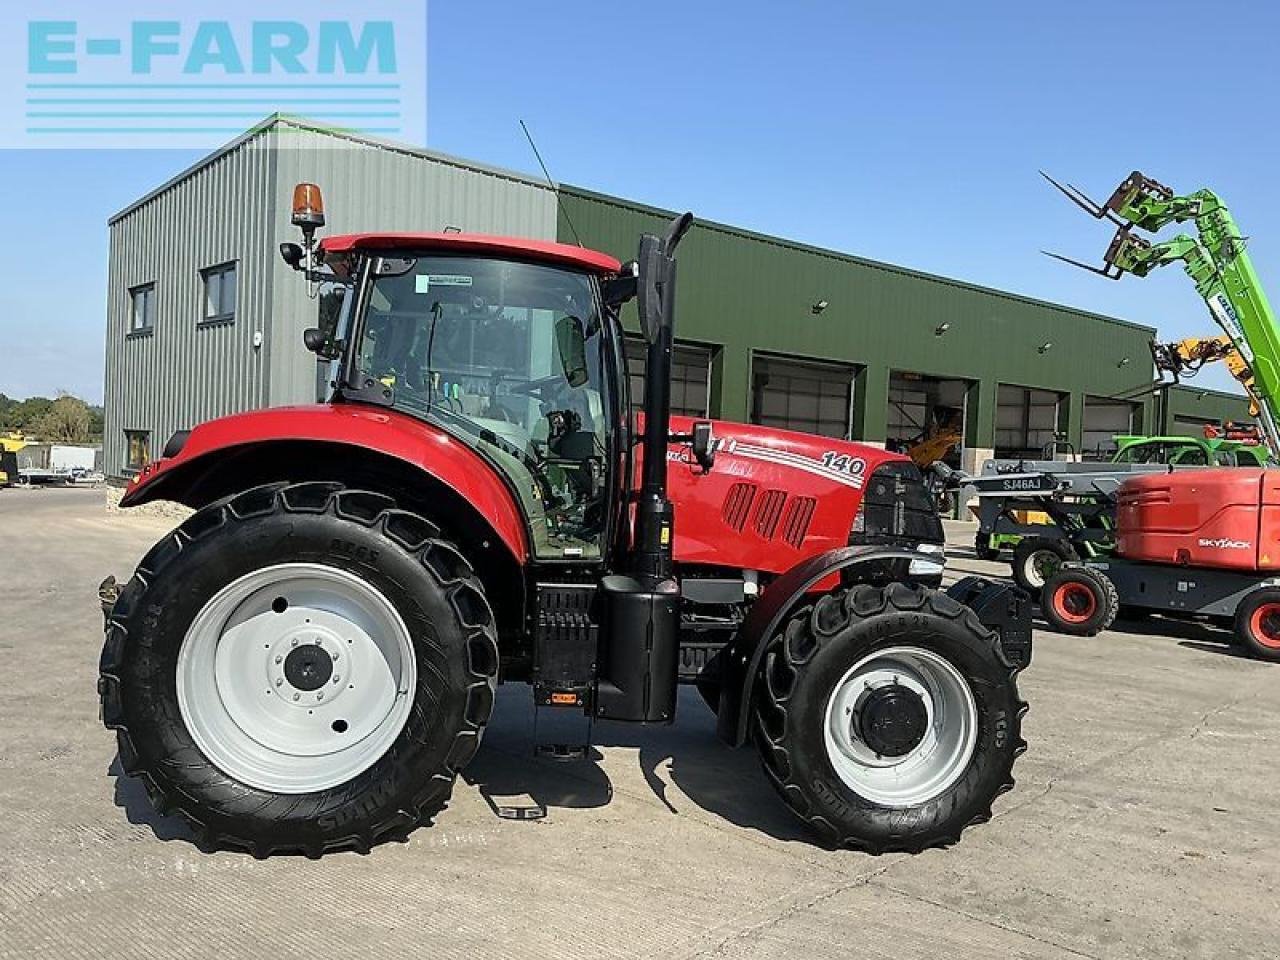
{"x":178,"y":476}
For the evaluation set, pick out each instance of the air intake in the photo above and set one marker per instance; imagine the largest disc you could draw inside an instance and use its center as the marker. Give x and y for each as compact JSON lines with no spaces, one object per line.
{"x":737,"y":504}
{"x":770,"y":512}
{"x":798,"y":518}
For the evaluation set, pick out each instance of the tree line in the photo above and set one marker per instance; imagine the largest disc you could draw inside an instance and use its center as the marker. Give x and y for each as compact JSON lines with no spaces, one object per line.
{"x":61,"y":419}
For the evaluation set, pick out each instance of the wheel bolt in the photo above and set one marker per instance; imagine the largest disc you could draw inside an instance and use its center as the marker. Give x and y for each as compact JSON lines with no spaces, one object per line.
{"x":293,"y":642}
{"x":280,"y":681}
{"x":336,"y":655}
{"x":297,"y":696}
{"x":320,"y":695}
{"x":336,"y":678}
{"x":279,"y":659}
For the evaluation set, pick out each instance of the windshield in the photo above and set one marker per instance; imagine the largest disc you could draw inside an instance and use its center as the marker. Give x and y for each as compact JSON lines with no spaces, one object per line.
{"x":506,"y":357}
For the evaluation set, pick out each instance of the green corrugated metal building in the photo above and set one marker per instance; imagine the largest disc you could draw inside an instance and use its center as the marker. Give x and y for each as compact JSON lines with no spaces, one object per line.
{"x":768,"y":330}
{"x":750,"y":301}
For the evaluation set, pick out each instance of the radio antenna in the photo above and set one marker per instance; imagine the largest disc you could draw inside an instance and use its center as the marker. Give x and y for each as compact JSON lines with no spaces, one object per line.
{"x":555,"y":191}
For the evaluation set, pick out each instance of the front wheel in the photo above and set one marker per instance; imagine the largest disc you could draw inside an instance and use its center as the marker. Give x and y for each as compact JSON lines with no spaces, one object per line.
{"x":1036,"y":559}
{"x":888,"y":719}
{"x":1257,"y":623}
{"x":300,"y":669}
{"x":1080,"y":601}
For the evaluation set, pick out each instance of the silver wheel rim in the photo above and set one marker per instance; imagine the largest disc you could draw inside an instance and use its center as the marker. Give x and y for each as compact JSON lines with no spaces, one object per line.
{"x":1034,"y":568}
{"x":249,"y":667}
{"x":937,"y":761}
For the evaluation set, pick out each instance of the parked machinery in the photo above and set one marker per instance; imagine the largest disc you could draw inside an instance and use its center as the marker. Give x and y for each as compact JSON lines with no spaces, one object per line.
{"x":1202,"y":542}
{"x":10,"y":444}
{"x":307,"y":663}
{"x":1050,"y":511}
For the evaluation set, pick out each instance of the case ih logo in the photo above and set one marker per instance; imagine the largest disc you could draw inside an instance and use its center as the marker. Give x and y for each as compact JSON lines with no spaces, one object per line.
{"x":1224,"y":543}
{"x":77,"y":74}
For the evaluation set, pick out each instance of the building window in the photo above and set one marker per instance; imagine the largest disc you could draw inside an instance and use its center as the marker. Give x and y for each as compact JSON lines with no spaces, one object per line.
{"x":1104,"y":420}
{"x":690,"y":377}
{"x":142,"y":308}
{"x":802,"y":395}
{"x":1028,"y":421}
{"x":219,"y":293}
{"x":137,"y":449}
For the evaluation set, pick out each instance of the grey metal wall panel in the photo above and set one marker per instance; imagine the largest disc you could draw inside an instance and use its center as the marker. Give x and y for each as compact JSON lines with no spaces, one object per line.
{"x":235,"y":206}
{"x":368,"y":187}
{"x":182,"y":372}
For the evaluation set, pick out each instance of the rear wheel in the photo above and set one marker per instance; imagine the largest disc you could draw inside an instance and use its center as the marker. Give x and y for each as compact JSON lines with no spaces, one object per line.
{"x":1036,"y":559}
{"x":1257,"y":623}
{"x":888,"y":719}
{"x":300,"y":669}
{"x":1080,"y":601}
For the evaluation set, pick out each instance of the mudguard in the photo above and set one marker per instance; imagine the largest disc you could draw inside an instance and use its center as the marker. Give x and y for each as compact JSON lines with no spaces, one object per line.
{"x":176,"y":476}
{"x":999,"y":606}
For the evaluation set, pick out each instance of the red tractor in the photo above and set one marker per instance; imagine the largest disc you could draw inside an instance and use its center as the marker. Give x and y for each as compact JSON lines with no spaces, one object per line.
{"x":1194,"y":543}
{"x":307,"y":662}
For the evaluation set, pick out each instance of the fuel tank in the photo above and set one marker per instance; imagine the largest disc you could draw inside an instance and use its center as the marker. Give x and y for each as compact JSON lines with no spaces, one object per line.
{"x":1228,"y":519}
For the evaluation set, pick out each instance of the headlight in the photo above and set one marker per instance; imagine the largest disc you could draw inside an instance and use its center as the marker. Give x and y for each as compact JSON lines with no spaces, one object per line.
{"x":929,"y":568}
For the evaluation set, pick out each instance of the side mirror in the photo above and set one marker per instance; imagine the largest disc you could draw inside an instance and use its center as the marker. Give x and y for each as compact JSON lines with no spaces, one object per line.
{"x":313,"y":339}
{"x":571,"y":345}
{"x":704,"y":445}
{"x":292,"y":254}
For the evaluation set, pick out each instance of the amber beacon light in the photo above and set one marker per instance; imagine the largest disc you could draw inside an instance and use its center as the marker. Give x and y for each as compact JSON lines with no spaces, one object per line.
{"x":308,"y":207}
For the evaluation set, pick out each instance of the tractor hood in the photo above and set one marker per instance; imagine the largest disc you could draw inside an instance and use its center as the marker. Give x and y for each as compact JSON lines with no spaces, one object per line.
{"x":773,"y":496}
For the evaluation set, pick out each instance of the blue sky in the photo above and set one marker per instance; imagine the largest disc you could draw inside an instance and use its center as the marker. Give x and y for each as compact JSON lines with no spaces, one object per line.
{"x":905,"y":133}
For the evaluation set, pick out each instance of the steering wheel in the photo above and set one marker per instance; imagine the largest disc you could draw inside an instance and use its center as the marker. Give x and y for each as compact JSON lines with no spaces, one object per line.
{"x":536,"y":386}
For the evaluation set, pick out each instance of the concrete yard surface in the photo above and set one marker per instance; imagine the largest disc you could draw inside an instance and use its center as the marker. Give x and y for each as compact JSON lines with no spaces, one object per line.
{"x":1143,"y":824}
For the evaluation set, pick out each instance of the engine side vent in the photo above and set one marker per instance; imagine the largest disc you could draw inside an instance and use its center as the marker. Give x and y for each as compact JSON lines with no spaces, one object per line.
{"x":798,"y":519}
{"x":737,"y":504}
{"x":770,"y":512}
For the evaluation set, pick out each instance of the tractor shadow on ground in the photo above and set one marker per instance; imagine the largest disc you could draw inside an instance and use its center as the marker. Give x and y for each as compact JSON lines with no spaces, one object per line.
{"x":131,"y":797}
{"x":506,"y":770}
{"x":684,"y":765}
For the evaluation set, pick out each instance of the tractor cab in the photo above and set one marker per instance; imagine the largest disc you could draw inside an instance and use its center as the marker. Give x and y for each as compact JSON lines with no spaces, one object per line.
{"x":501,"y":345}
